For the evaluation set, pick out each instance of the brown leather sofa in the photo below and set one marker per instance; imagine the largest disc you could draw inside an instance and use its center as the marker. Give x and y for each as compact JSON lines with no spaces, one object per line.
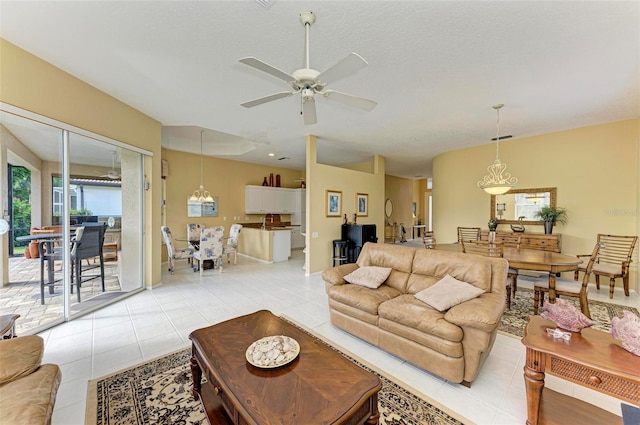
{"x":27,"y":387}
{"x":453,"y":343}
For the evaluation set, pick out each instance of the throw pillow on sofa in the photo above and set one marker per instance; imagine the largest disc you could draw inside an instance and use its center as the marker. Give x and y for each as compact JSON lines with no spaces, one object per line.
{"x":448,"y":292}
{"x":370,"y":276}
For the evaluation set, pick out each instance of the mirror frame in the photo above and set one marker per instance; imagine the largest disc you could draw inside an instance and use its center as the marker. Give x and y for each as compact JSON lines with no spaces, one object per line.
{"x":388,"y":208}
{"x":553,"y":193}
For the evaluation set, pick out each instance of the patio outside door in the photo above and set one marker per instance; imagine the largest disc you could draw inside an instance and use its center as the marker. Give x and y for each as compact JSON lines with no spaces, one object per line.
{"x":78,"y":180}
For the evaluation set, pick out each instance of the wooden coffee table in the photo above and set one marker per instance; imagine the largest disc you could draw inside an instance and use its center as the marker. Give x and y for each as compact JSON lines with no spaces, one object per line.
{"x":319,"y":387}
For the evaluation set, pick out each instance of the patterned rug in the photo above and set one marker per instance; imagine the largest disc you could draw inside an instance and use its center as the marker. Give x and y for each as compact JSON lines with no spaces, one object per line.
{"x":159,"y":392}
{"x":515,"y":319}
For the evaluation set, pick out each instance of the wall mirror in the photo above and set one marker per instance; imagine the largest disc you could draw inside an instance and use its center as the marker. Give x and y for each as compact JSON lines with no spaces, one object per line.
{"x":516,"y":203}
{"x":388,"y":208}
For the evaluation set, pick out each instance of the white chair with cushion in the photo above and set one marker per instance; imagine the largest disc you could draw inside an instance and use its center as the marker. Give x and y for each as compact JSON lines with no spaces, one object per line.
{"x":211,"y":248}
{"x":173,"y":253}
{"x":231,"y":247}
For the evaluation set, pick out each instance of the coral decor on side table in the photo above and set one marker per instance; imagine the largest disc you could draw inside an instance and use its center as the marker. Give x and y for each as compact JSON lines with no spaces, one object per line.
{"x":566,"y":315}
{"x":627,"y":331}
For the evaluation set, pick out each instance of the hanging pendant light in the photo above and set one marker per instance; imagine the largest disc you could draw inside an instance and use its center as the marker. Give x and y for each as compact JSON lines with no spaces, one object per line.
{"x":498,"y":181}
{"x":201,"y":195}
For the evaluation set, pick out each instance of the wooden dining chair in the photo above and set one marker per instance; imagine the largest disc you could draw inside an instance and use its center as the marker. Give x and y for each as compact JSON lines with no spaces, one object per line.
{"x":468,"y":234}
{"x":429,"y":240}
{"x":613,"y":261}
{"x":489,"y":249}
{"x":567,"y":287}
{"x":512,"y":240}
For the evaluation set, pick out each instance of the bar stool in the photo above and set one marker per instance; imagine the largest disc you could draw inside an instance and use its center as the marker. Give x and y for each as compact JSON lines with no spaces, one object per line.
{"x":340,"y":252}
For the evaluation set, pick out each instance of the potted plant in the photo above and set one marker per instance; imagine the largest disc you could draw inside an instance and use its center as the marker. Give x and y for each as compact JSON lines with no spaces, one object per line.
{"x":493,"y":225}
{"x":550,"y":216}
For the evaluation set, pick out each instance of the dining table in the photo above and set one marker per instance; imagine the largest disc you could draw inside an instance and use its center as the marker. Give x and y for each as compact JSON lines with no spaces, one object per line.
{"x":552,"y":263}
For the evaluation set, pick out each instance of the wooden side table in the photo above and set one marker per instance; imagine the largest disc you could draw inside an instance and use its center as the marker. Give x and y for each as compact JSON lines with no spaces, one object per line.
{"x":8,"y":325}
{"x":591,"y":358}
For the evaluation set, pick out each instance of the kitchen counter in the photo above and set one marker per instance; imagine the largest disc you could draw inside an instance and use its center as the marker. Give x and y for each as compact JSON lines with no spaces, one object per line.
{"x":272,"y":244}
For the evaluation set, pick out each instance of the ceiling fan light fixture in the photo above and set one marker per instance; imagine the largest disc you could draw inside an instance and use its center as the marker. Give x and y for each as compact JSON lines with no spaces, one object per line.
{"x":498,"y":181}
{"x":308,"y":82}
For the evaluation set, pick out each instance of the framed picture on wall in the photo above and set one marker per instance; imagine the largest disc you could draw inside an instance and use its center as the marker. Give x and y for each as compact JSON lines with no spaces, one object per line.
{"x":362,"y":204}
{"x":334,"y":203}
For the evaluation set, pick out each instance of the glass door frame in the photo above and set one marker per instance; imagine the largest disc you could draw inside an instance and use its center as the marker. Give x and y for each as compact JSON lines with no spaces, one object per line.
{"x":66,"y":131}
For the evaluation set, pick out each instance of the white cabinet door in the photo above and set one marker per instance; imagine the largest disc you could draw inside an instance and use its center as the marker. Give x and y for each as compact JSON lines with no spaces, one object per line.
{"x":270,"y":200}
{"x":297,"y":240}
{"x":253,"y":200}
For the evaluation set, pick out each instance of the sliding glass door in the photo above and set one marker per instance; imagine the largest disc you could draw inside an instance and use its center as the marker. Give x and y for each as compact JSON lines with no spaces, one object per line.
{"x":85,"y":241}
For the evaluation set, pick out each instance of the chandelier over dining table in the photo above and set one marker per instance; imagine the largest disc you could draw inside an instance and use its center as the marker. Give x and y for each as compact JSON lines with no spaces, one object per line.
{"x":201,"y":195}
{"x":498,"y":181}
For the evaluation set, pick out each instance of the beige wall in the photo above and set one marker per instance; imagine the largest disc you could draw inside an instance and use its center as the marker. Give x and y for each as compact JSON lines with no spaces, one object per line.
{"x":320,"y":178}
{"x":223,"y":178}
{"x":32,"y":84}
{"x":402,"y":194}
{"x":594,"y":168}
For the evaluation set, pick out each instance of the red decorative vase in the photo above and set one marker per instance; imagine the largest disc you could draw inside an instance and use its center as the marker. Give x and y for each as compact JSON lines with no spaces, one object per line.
{"x":264,"y":182}
{"x":277,"y":180}
{"x":271,"y":179}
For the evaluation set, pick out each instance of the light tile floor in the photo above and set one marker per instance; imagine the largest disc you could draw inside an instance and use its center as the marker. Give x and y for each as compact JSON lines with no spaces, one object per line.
{"x":159,"y":321}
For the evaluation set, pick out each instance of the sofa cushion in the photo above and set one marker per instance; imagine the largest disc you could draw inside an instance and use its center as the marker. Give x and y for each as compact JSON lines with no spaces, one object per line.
{"x":362,"y":298}
{"x":475,"y":270}
{"x":448,"y":292}
{"x":30,"y":399}
{"x":19,"y":357}
{"x":398,"y":258}
{"x":370,"y":276}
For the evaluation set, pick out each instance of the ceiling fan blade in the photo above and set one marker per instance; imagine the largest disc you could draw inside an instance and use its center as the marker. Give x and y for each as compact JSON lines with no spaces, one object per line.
{"x":309,"y":111}
{"x":265,"y":67}
{"x":347,"y":99}
{"x":347,"y":66}
{"x":261,"y":100}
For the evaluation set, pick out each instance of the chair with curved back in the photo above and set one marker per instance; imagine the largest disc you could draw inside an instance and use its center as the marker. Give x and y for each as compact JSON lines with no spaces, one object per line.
{"x":173,"y":253}
{"x":211,"y":248}
{"x":468,"y":234}
{"x":613,"y":261}
{"x":488,"y":249}
{"x":568,"y":287}
{"x":231,"y":247}
{"x":193,"y":235}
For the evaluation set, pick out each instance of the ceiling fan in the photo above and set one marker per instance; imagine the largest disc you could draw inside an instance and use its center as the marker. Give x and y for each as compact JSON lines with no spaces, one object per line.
{"x":309,"y":82}
{"x":112,"y":173}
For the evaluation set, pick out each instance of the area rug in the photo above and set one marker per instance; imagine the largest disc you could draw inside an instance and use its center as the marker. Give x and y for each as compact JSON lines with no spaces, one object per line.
{"x":159,"y":392}
{"x":515,"y":319}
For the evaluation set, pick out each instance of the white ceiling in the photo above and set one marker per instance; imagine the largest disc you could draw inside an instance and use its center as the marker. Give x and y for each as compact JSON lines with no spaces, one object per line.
{"x":435,"y":69}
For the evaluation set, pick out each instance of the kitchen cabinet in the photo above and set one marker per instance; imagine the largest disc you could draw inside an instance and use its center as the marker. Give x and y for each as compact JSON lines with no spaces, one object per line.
{"x":297,"y":240}
{"x":266,"y":199}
